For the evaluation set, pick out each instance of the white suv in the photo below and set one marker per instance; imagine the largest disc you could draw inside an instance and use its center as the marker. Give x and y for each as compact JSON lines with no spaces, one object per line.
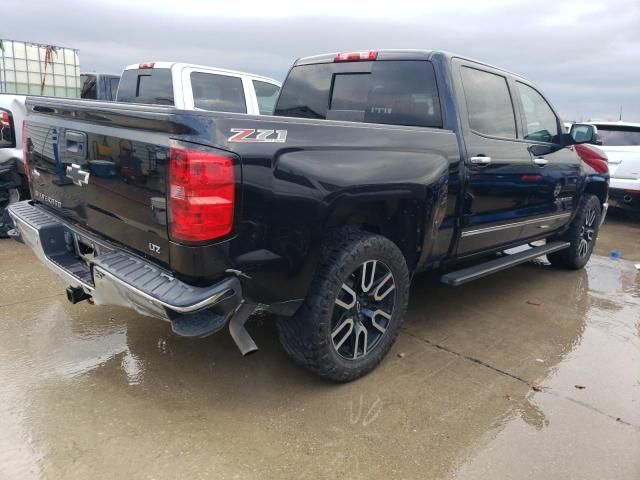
{"x":620,"y":141}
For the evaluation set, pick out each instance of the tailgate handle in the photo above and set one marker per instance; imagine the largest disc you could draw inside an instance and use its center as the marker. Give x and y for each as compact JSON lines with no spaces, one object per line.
{"x":75,"y":144}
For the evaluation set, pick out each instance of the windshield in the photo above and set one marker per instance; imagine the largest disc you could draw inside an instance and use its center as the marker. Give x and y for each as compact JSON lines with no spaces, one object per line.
{"x":619,"y":135}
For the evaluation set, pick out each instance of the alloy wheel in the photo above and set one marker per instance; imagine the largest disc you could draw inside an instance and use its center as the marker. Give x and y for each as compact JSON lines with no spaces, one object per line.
{"x":363,"y":310}
{"x":587,"y":232}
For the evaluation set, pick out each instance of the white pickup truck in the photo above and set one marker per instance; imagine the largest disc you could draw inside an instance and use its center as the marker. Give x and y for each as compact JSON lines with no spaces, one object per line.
{"x":196,"y":87}
{"x":620,"y":141}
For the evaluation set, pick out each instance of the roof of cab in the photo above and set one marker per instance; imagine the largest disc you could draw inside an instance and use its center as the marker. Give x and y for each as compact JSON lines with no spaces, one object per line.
{"x":171,"y":65}
{"x":617,"y":123}
{"x":388,"y":54}
{"x":400,"y":54}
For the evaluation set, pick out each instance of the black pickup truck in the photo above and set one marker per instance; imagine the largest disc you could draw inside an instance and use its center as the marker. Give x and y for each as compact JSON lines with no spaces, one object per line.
{"x":377,"y":165}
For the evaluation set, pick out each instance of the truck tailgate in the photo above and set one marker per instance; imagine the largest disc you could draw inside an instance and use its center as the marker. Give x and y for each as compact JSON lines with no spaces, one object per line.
{"x":107,"y":179}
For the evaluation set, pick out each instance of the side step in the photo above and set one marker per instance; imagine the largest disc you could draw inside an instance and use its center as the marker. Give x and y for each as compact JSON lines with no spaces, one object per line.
{"x":492,"y":266}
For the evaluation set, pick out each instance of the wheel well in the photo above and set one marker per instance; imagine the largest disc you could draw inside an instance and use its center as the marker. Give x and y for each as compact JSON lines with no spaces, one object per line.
{"x":398,"y":220}
{"x":599,"y":189}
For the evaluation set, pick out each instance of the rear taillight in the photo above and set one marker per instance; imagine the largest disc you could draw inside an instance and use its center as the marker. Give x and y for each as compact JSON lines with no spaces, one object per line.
{"x":25,"y":151}
{"x":592,"y":157}
{"x":201,"y":194}
{"x":7,"y":137}
{"x":146,"y":65}
{"x":356,"y":56}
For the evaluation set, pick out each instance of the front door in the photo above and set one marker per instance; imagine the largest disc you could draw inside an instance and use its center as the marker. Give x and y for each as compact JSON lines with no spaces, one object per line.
{"x":554,"y":183}
{"x":499,"y":165}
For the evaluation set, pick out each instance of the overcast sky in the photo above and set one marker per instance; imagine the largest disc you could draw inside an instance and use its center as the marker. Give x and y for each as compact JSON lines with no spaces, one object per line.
{"x":585,"y":55}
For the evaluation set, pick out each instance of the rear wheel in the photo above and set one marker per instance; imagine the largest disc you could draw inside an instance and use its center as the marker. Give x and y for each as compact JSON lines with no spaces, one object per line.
{"x":581,"y":235}
{"x":352,"y":314}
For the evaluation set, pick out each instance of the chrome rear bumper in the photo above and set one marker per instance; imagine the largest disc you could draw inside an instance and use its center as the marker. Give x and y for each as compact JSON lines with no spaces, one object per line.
{"x":112,"y":276}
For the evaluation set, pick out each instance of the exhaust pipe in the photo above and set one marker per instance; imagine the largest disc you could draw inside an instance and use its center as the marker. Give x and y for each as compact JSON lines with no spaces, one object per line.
{"x":627,"y":199}
{"x":15,"y":234}
{"x":77,"y":294}
{"x":239,"y":334}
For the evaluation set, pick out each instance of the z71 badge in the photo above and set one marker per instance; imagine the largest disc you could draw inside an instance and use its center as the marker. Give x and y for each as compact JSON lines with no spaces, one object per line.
{"x":258,"y":135}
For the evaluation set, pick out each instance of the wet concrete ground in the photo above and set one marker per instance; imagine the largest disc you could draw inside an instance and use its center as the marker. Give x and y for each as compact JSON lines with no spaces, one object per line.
{"x":98,"y":392}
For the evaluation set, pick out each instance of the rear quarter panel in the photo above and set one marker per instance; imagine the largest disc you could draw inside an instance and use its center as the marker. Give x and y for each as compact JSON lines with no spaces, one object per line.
{"x":328,"y":174}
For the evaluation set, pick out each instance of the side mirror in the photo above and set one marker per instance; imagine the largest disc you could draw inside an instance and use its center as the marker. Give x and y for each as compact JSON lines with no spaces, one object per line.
{"x":584,"y":133}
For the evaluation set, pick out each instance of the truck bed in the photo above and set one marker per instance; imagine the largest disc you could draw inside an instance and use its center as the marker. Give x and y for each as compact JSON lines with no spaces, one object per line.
{"x":292,"y":181}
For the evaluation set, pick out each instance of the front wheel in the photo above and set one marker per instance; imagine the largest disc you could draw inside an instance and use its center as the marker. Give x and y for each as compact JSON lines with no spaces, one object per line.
{"x":581,"y":235}
{"x":354,"y":309}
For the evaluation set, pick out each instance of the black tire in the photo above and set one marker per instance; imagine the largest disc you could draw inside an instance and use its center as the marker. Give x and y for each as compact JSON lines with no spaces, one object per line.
{"x":582,"y":235}
{"x":6,"y":224}
{"x":351,"y":260}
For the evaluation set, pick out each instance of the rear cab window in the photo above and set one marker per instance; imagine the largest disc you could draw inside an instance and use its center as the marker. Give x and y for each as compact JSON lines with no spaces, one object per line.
{"x":619,"y":135}
{"x":146,"y":85}
{"x":392,"y":92}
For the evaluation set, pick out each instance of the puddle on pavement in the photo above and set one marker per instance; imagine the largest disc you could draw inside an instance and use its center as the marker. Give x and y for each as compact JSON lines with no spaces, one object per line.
{"x":597,"y":381}
{"x":96,"y":389}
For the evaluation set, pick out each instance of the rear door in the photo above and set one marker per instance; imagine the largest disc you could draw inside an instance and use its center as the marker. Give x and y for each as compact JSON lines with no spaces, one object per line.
{"x":556,"y":168}
{"x":497,"y":160}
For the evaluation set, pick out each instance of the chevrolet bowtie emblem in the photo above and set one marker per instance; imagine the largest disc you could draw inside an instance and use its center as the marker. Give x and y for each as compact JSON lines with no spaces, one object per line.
{"x":77,"y":175}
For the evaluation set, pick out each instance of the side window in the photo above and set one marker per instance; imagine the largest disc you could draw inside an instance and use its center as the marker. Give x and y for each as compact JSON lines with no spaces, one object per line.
{"x":218,"y":92}
{"x":267,"y":94}
{"x":113,"y":83}
{"x":541,"y":123}
{"x":489,"y":103}
{"x":89,"y":87}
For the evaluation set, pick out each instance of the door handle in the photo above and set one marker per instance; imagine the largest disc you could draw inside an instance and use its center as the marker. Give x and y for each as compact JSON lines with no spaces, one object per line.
{"x":76,"y":144}
{"x":541,"y":162}
{"x":480,"y":160}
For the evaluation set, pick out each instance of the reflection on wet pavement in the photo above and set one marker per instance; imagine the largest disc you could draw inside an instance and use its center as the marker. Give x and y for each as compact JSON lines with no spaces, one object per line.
{"x":620,"y":233}
{"x":98,"y":392}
